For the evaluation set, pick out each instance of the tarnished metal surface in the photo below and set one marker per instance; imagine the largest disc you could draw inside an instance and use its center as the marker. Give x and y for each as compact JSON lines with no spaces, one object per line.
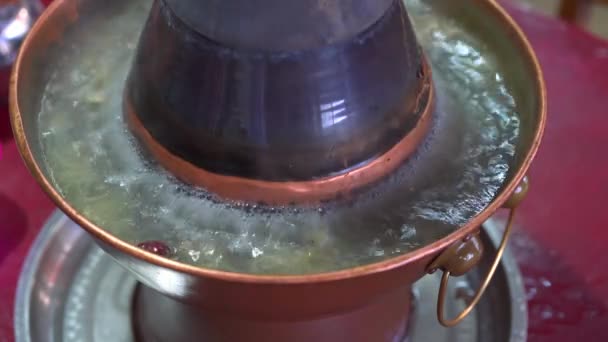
{"x":226,"y":130}
{"x":255,"y":24}
{"x":71,"y":291}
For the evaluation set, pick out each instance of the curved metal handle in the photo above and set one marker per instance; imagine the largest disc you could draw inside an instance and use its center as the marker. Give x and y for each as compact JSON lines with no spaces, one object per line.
{"x":446,"y":277}
{"x":466,"y":262}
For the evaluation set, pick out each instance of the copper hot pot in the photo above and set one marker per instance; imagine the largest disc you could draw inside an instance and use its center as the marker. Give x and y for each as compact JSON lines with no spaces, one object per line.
{"x":180,"y":302}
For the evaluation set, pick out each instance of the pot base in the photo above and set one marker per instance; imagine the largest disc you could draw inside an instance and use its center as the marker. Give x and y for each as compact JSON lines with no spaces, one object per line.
{"x":70,"y":290}
{"x":160,"y":318}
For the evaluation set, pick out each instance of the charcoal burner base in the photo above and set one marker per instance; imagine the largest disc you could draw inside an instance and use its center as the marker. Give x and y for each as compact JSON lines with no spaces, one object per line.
{"x":160,"y":318}
{"x":70,"y":290}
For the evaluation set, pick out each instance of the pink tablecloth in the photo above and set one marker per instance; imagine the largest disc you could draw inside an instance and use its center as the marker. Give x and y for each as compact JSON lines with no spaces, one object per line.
{"x":562,"y":229}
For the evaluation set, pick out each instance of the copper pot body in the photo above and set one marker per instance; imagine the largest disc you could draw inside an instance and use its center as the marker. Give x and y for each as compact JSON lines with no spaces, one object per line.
{"x":161,"y":318}
{"x":366,"y":303}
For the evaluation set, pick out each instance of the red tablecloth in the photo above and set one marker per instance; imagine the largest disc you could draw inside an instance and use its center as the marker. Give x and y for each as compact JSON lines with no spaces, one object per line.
{"x":562,"y":227}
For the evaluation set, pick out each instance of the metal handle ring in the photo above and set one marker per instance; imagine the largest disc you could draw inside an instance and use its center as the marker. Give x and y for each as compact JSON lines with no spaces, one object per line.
{"x":446,"y":277}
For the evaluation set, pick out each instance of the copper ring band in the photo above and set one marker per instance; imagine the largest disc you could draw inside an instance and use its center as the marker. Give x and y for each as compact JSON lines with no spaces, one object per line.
{"x":280,"y":193}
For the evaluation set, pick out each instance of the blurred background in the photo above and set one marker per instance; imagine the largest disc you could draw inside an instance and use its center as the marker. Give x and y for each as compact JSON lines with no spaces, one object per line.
{"x":590,"y":14}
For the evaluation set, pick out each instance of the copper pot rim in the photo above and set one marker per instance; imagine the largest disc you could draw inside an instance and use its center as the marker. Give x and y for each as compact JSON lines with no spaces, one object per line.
{"x":97,"y":232}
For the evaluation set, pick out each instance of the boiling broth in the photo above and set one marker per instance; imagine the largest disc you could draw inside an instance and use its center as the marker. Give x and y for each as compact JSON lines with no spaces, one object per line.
{"x":95,"y":163}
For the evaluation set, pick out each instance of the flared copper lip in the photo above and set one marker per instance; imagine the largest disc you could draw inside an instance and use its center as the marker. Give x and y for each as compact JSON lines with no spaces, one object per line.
{"x":359,"y":271}
{"x":311,"y":192}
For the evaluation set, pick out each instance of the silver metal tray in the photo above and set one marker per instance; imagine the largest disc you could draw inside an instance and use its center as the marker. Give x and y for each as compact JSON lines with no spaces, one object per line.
{"x":69,"y":290}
